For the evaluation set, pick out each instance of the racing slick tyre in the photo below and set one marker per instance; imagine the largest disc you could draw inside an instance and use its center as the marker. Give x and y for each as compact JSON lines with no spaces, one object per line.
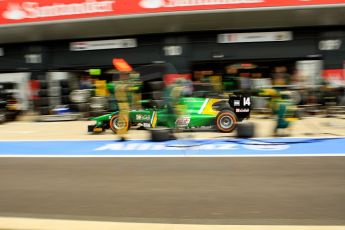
{"x":90,"y":128}
{"x":226,"y":121}
{"x":245,"y":130}
{"x":161,"y":134}
{"x":118,"y":122}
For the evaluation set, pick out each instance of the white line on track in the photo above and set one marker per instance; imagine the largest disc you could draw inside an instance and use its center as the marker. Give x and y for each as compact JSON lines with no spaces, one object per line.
{"x":48,"y":224}
{"x":219,"y":138}
{"x":169,"y":156}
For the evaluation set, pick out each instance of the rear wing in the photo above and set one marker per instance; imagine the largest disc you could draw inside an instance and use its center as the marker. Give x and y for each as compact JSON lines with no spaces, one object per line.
{"x":241,"y":106}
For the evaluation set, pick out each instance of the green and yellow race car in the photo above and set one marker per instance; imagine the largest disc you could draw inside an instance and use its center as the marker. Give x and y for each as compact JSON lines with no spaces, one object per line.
{"x":223,"y":114}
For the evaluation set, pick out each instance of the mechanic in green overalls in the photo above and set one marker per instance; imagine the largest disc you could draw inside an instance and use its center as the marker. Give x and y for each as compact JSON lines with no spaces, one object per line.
{"x":282,"y":106}
{"x":135,"y":87}
{"x":112,"y":99}
{"x":173,"y":93}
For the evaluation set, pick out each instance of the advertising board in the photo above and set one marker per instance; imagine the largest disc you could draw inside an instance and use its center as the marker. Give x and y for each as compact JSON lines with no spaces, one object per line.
{"x":23,"y":11}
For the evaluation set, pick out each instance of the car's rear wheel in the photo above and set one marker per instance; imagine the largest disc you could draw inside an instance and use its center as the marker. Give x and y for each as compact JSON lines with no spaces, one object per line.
{"x":118,"y":122}
{"x":226,"y":121}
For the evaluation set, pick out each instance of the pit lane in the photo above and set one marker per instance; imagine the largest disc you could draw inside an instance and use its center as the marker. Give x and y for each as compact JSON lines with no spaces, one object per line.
{"x":207,"y":190}
{"x":250,"y":191}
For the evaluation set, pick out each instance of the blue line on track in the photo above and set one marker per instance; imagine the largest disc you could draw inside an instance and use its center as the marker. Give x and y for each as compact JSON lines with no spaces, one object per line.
{"x":255,"y":147}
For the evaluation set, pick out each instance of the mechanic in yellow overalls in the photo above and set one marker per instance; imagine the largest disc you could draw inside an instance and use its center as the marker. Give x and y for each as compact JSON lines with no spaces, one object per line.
{"x":122,"y":95}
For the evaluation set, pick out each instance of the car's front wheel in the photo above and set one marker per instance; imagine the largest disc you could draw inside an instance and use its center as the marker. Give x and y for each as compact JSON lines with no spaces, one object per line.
{"x":119,"y":123}
{"x":226,"y":121}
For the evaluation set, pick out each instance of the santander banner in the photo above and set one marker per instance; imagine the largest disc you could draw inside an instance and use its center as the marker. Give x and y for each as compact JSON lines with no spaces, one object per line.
{"x":22,"y":11}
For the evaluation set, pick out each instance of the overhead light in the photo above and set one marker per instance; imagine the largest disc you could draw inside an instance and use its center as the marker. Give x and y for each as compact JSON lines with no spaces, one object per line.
{"x":314,"y":56}
{"x":218,"y":55}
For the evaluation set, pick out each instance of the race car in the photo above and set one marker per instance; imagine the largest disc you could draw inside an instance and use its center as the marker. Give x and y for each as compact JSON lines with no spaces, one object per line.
{"x":199,"y":112}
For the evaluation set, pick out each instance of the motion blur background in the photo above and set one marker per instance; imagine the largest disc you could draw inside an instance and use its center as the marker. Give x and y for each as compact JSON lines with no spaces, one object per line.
{"x":50,"y":49}
{"x":57,"y":64}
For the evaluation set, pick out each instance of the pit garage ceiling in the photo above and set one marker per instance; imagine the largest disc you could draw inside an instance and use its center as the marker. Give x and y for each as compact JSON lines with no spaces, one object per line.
{"x":266,"y":18}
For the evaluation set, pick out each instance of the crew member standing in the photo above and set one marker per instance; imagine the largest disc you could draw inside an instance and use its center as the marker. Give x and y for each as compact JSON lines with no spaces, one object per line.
{"x":120,"y":123}
{"x":122,"y":98}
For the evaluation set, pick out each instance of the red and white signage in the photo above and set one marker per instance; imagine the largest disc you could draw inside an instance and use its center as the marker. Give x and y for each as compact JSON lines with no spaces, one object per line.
{"x":21,"y":11}
{"x":335,"y":76}
{"x":103,"y":44}
{"x":255,"y":37}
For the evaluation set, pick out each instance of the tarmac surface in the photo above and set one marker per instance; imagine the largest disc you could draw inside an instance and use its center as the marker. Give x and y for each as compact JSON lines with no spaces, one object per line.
{"x":249,"y":191}
{"x":305,"y":191}
{"x":26,"y":129}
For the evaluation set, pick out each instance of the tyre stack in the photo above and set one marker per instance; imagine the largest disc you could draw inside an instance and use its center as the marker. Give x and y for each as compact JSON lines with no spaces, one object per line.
{"x":2,"y":105}
{"x":9,"y":91}
{"x":54,"y":91}
{"x":98,"y":106}
{"x":156,"y":93}
{"x":2,"y":116}
{"x":80,"y":101}
{"x":65,"y":91}
{"x":43,"y":102}
{"x":51,"y":94}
